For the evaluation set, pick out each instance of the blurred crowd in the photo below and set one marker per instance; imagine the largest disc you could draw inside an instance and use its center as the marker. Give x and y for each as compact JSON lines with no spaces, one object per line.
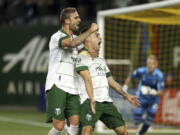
{"x":46,"y":12}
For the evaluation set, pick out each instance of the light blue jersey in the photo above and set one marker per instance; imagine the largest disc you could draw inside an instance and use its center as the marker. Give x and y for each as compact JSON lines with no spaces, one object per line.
{"x":154,"y":80}
{"x":149,"y":103}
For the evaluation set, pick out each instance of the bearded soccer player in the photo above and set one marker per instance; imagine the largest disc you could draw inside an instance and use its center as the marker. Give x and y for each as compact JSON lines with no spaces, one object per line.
{"x":62,"y":96}
{"x":150,"y":87}
{"x":94,"y":81}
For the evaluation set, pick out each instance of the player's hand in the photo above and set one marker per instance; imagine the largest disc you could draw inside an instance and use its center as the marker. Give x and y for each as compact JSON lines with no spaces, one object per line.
{"x":133,"y":100}
{"x":145,"y":90}
{"x":94,"y":27}
{"x":93,"y":105}
{"x":148,"y":91}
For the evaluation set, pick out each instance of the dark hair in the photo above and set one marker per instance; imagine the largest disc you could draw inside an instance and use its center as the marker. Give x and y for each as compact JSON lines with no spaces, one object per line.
{"x":84,"y":29}
{"x":65,"y":13}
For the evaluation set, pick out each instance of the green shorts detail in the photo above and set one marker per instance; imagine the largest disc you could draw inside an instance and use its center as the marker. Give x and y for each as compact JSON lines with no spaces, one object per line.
{"x":61,"y":105}
{"x":105,"y":111}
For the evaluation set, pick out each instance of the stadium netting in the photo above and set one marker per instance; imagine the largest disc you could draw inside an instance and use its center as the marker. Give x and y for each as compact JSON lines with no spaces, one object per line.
{"x":130,"y":37}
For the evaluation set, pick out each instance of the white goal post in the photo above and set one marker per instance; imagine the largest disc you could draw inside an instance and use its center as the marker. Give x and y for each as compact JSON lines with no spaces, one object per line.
{"x":101,"y":23}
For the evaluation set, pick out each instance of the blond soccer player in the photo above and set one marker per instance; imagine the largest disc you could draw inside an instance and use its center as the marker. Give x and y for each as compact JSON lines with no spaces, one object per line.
{"x":62,"y":96}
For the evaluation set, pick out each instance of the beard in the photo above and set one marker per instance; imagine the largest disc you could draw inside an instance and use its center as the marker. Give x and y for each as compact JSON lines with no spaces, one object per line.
{"x":74,"y":27}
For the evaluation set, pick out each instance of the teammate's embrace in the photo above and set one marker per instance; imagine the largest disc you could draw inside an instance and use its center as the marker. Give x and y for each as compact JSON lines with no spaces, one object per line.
{"x":151,"y":84}
{"x":62,"y":96}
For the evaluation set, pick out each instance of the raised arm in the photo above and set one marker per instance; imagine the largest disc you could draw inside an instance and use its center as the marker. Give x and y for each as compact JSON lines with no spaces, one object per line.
{"x":69,"y":42}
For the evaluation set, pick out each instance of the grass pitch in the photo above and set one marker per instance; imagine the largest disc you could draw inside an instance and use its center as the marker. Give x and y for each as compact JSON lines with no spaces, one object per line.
{"x":32,"y":122}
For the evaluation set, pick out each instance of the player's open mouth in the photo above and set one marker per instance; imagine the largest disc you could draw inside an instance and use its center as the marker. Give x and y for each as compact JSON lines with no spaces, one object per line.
{"x":77,"y":26}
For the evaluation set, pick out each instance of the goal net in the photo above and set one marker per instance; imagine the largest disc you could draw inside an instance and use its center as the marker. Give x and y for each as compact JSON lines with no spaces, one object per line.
{"x":130,"y":34}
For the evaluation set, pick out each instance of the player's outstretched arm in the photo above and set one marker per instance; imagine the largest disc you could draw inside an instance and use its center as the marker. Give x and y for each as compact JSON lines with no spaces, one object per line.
{"x":133,"y":100}
{"x":117,"y":87}
{"x":89,"y":88}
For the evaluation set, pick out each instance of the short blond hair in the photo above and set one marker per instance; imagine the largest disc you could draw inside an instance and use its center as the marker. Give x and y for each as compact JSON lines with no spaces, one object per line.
{"x":65,"y":14}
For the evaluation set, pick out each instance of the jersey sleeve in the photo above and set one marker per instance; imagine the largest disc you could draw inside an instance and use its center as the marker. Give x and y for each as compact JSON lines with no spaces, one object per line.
{"x":61,"y":38}
{"x":136,"y":73}
{"x":108,"y":72}
{"x":81,"y":63}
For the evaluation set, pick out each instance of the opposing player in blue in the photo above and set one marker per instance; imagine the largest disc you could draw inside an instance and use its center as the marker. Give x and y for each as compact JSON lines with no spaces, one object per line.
{"x":150,"y":87}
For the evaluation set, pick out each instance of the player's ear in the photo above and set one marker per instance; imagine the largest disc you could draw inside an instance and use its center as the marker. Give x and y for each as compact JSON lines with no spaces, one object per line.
{"x":67,"y":21}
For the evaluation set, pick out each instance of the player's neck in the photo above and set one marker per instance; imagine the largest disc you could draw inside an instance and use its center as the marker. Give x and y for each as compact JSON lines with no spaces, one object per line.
{"x":150,"y":71}
{"x":67,"y":30}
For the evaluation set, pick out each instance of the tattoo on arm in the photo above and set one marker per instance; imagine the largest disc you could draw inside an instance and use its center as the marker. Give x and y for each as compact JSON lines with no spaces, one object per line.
{"x":78,"y":40}
{"x":120,"y":90}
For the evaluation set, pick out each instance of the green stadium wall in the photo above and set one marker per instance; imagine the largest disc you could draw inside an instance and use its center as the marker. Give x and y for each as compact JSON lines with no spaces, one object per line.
{"x":23,"y":63}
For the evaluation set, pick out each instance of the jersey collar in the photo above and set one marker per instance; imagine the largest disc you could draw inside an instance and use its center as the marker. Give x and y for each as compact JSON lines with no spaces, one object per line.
{"x":61,"y":30}
{"x":84,"y":49}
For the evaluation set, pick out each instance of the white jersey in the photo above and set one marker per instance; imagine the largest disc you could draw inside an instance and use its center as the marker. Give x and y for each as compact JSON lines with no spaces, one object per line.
{"x":98,"y":72}
{"x":61,"y":64}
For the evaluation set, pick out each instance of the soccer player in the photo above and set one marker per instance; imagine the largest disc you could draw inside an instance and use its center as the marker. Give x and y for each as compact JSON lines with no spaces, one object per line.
{"x":150,"y":87}
{"x":62,"y":96}
{"x":94,"y":80}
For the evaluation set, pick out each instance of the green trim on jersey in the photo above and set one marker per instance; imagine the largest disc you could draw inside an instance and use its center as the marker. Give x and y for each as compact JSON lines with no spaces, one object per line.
{"x":67,"y":36}
{"x":108,"y":74}
{"x":61,"y":30}
{"x":59,"y":42}
{"x":82,"y":68}
{"x":84,"y":49}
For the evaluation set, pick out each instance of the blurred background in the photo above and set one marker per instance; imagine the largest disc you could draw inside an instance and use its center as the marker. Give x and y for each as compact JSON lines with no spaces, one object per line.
{"x":26,"y":27}
{"x":46,"y":12}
